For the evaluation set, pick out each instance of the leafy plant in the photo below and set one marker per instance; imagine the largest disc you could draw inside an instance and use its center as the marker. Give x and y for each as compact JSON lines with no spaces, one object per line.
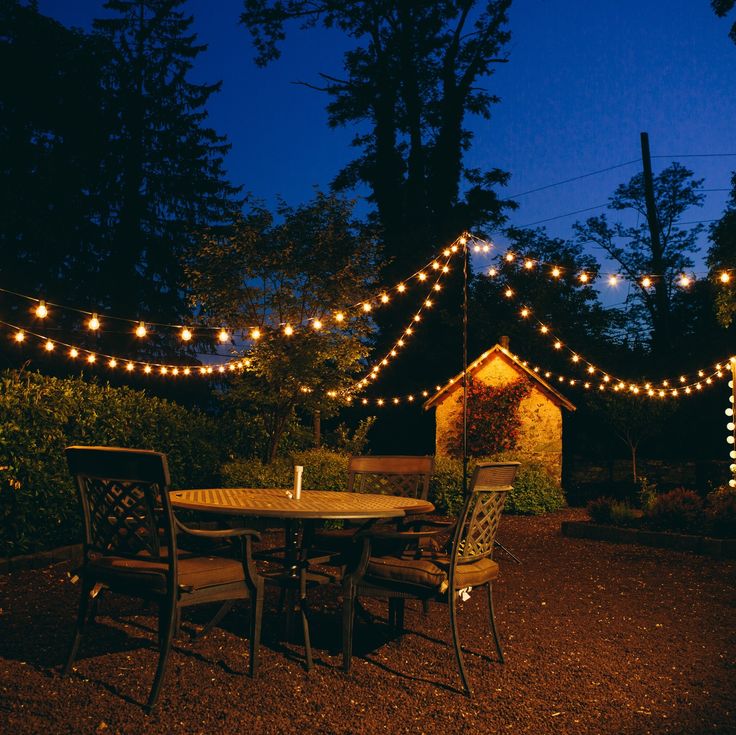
{"x":40,"y":416}
{"x":493,"y":418}
{"x":599,"y":509}
{"x":677,"y":509}
{"x":720,"y":511}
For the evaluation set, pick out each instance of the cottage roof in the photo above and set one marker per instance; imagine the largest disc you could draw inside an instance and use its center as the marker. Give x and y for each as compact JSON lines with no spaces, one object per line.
{"x":497,"y":350}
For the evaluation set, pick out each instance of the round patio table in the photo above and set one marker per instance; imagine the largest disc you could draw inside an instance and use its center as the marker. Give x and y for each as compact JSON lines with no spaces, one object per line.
{"x":312,"y":506}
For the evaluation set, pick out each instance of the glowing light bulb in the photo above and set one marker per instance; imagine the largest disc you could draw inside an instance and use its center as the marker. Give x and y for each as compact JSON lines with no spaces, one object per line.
{"x":41,"y":311}
{"x":428,"y":303}
{"x":525,"y":312}
{"x":558,"y":345}
{"x":725,"y":277}
{"x":288,"y":330}
{"x":223,"y":335}
{"x":316,"y":324}
{"x":91,"y":358}
{"x":366,"y":307}
{"x":112,"y":362}
{"x":49,"y":346}
{"x":492,"y":272}
{"x":437,"y":287}
{"x":453,"y":248}
{"x":384,"y":296}
{"x":401,"y":288}
{"x":556,"y":272}
{"x":417,"y":317}
{"x":445,"y":268}
{"x":446,"y":252}
{"x":528,"y":264}
{"x":684,"y":281}
{"x":74,"y":352}
{"x":186,"y":334}
{"x":147,"y":370}
{"x":255,"y":333}
{"x":20,"y":336}
{"x":94,"y":323}
{"x":576,"y":358}
{"x":140,"y":330}
{"x":508,"y":293}
{"x":584,"y":277}
{"x":509,"y":257}
{"x":435,"y":266}
{"x":646,"y":282}
{"x":339,"y":317}
{"x":613,"y":280}
{"x":130,"y":367}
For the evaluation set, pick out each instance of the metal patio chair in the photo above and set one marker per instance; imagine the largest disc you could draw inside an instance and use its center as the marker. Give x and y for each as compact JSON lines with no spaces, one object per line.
{"x":429,"y":574}
{"x":130,"y":547}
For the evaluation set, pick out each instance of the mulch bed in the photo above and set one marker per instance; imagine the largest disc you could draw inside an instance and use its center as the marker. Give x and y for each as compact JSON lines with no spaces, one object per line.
{"x":598,"y":638}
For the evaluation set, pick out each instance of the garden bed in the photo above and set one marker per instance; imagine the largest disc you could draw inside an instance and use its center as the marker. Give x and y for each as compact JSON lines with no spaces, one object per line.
{"x":716,"y":547}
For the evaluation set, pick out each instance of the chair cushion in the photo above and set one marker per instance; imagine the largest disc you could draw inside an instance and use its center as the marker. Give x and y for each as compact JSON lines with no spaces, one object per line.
{"x":197,"y":572}
{"x":431,"y":569}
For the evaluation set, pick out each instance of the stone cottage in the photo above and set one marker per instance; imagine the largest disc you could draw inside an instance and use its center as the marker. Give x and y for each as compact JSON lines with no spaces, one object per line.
{"x":540,"y":411}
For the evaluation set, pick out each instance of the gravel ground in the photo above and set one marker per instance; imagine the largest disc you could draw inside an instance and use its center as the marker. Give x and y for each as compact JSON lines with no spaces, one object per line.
{"x":598,"y":638}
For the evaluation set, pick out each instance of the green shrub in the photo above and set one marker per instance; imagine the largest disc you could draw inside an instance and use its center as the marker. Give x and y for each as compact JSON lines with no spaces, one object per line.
{"x":622,"y":514}
{"x":323,"y":470}
{"x":599,"y":510}
{"x":721,"y":512}
{"x":39,"y":416}
{"x":534,"y":493}
{"x":678,"y":509}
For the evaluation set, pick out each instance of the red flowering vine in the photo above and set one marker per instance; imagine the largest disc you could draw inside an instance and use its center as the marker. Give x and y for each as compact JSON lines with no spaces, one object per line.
{"x":493,"y":418}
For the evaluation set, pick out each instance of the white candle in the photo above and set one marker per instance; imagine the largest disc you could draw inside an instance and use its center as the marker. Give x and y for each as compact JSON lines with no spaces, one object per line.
{"x":298,"y":469}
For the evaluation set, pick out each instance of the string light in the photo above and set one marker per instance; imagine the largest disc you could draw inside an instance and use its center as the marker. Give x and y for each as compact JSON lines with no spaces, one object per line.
{"x":186,"y":334}
{"x":41,"y":311}
{"x":94,"y":323}
{"x":223,"y":336}
{"x":140,"y":330}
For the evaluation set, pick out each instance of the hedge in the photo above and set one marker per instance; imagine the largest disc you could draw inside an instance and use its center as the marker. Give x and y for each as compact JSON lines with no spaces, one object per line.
{"x":534,"y":493}
{"x":40,"y":415}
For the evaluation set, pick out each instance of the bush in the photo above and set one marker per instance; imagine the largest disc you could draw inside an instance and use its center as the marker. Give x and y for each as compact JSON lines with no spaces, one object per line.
{"x":534,"y":493}
{"x":323,"y":470}
{"x":721,"y":512}
{"x":39,"y":416}
{"x":678,"y":509}
{"x":599,"y":510}
{"x":622,"y":514}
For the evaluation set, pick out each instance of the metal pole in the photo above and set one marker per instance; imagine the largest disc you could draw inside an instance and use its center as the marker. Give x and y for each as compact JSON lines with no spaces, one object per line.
{"x":466,"y":259}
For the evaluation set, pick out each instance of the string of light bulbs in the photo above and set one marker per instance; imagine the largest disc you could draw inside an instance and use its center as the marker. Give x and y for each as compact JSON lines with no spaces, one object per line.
{"x":94,"y":322}
{"x":129,"y":365}
{"x":667,"y":386}
{"x":725,"y":277}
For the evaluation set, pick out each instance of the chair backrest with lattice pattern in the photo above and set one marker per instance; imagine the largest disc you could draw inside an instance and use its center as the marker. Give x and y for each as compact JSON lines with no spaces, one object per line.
{"x":124,"y":498}
{"x":481,"y":514}
{"x":407,"y":476}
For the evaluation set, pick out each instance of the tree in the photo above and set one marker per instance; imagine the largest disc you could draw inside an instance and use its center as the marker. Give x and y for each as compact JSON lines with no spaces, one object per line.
{"x":298,"y":272}
{"x":408,"y":87}
{"x":721,"y":9}
{"x":631,"y":247}
{"x":52,"y":136}
{"x":165,"y":177}
{"x":633,"y":420}
{"x":722,"y":258}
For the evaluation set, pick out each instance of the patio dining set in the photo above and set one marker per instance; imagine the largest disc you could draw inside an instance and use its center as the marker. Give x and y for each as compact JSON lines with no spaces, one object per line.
{"x":136,"y":544}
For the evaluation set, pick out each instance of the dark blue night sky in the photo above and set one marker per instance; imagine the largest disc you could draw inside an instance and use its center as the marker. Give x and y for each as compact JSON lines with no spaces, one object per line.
{"x":584,"y":78}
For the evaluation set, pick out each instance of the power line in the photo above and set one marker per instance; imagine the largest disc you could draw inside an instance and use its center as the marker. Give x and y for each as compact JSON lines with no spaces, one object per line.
{"x":574,"y":178}
{"x":561,"y":216}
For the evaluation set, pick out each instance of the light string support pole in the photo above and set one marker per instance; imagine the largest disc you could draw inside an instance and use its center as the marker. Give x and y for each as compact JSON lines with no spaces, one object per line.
{"x":466,"y":266}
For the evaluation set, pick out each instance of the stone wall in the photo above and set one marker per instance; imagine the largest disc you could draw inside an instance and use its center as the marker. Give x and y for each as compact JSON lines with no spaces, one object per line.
{"x":540,"y":437}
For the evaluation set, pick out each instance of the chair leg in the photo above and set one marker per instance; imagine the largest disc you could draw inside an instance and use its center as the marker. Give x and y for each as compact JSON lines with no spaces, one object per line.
{"x":84,"y":605}
{"x":493,"y":622}
{"x":167,"y":621}
{"x":218,"y":616}
{"x":348,"y":614}
{"x":456,"y":641}
{"x":256,"y":616}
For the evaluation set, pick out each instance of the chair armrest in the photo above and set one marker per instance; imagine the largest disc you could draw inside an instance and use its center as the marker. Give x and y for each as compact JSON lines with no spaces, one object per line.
{"x":221,"y":534}
{"x":407,"y":536}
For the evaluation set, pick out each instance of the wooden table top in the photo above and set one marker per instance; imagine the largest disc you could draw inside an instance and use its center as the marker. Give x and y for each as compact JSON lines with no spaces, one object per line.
{"x":275,"y":503}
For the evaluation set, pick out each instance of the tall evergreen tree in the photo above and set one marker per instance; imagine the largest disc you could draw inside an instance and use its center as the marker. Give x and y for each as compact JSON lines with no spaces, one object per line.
{"x":722,"y":258}
{"x":165,"y":182}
